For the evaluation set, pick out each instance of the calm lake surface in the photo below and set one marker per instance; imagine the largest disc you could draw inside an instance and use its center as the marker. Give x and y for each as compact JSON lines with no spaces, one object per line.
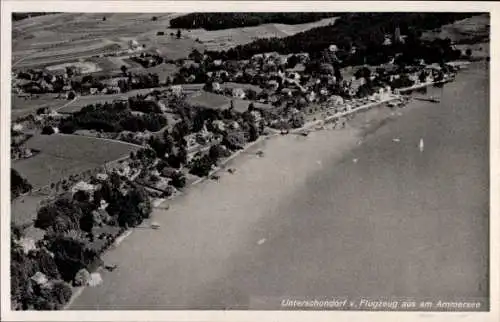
{"x":397,"y":223}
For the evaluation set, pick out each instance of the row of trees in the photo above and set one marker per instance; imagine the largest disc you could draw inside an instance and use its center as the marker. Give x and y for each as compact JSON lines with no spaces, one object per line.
{"x":225,"y":20}
{"x":111,"y":117}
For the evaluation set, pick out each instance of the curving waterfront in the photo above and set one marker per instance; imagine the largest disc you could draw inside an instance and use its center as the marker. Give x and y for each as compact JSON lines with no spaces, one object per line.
{"x":307,"y":221}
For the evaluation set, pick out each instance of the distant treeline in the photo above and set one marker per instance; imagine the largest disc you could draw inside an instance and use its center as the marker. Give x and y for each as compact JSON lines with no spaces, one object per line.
{"x":225,"y":20}
{"x":16,"y":16}
{"x":364,"y":32}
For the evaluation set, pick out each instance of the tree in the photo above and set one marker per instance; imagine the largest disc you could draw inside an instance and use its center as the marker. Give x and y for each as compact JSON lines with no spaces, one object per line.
{"x":253,"y":133}
{"x":182,"y":155}
{"x":208,"y":87}
{"x":468,"y":53}
{"x":251,"y":94}
{"x":67,"y":127}
{"x":48,"y":130}
{"x":363,"y":72}
{"x":70,"y":255}
{"x":178,"y":179}
{"x":158,"y":145}
{"x":45,"y":263}
{"x":18,"y":184}
{"x":61,"y":215}
{"x":62,"y":292}
{"x":168,"y":140}
{"x":180,"y":130}
{"x":422,"y":77}
{"x":214,"y":153}
{"x":124,"y":69}
{"x":292,"y":61}
{"x":201,"y":166}
{"x":178,"y":34}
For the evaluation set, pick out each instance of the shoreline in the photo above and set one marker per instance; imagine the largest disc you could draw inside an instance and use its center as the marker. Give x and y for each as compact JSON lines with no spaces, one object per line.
{"x":346,"y":142}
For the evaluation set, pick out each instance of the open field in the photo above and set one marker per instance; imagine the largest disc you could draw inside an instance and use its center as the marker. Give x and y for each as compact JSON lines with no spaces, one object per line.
{"x":231,"y":85}
{"x":226,"y":38}
{"x":169,"y":46}
{"x":83,"y":101}
{"x":78,"y":147}
{"x":476,"y":27}
{"x":44,"y":169}
{"x":59,"y":38}
{"x":44,"y":100}
{"x":217,"y":101}
{"x":63,"y":155}
{"x":163,"y":70}
{"x":208,"y":100}
{"x":24,"y":208}
{"x":23,"y":107}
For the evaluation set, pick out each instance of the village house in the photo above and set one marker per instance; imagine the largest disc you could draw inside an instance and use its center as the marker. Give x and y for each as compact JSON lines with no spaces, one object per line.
{"x":238,"y":93}
{"x":83,"y":186}
{"x":311,"y":96}
{"x":272,"y":85}
{"x":176,"y":90}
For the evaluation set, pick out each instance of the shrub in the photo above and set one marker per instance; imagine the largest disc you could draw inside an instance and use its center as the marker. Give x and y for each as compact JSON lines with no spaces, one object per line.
{"x":61,"y":292}
{"x":82,"y":277}
{"x":178,"y":180}
{"x":18,"y":184}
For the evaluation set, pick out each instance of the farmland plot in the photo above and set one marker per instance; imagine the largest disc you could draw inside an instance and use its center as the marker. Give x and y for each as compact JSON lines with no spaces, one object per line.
{"x":227,"y":38}
{"x":24,"y":106}
{"x":64,"y":155}
{"x":83,"y":101}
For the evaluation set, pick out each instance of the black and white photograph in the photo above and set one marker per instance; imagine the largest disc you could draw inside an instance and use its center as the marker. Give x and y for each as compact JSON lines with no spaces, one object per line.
{"x":247,"y":160}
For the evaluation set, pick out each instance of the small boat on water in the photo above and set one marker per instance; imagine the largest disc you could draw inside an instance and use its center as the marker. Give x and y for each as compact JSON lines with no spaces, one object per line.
{"x":421,"y":145}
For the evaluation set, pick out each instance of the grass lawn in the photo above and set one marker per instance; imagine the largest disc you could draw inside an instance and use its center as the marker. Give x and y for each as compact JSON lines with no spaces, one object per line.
{"x":44,"y":169}
{"x":217,"y":101}
{"x":83,"y":101}
{"x":64,"y":155}
{"x":208,"y":100}
{"x":231,"y":85}
{"x":24,"y":208}
{"x":22,"y":107}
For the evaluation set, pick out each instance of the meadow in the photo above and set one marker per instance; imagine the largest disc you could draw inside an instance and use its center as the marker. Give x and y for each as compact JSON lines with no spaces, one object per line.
{"x":218,"y":102}
{"x":64,"y":155}
{"x":83,"y":101}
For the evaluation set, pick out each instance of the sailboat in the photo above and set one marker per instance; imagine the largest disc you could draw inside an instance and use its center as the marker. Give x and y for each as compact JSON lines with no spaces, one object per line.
{"x":421,"y":145}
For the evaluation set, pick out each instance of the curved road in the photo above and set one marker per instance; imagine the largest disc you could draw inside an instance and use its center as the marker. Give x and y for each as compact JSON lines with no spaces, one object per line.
{"x":398,"y":222}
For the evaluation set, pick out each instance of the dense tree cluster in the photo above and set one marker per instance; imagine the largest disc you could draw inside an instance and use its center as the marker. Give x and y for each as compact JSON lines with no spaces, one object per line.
{"x":18,"y":184}
{"x":16,"y":16}
{"x":140,"y":104}
{"x":225,"y":20}
{"x":112,"y":117}
{"x":69,"y":224}
{"x":148,"y":60}
{"x":26,"y":293}
{"x":359,"y":38}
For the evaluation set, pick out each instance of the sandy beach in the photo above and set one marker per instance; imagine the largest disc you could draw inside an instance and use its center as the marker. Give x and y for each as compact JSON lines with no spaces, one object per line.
{"x":345,"y":212}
